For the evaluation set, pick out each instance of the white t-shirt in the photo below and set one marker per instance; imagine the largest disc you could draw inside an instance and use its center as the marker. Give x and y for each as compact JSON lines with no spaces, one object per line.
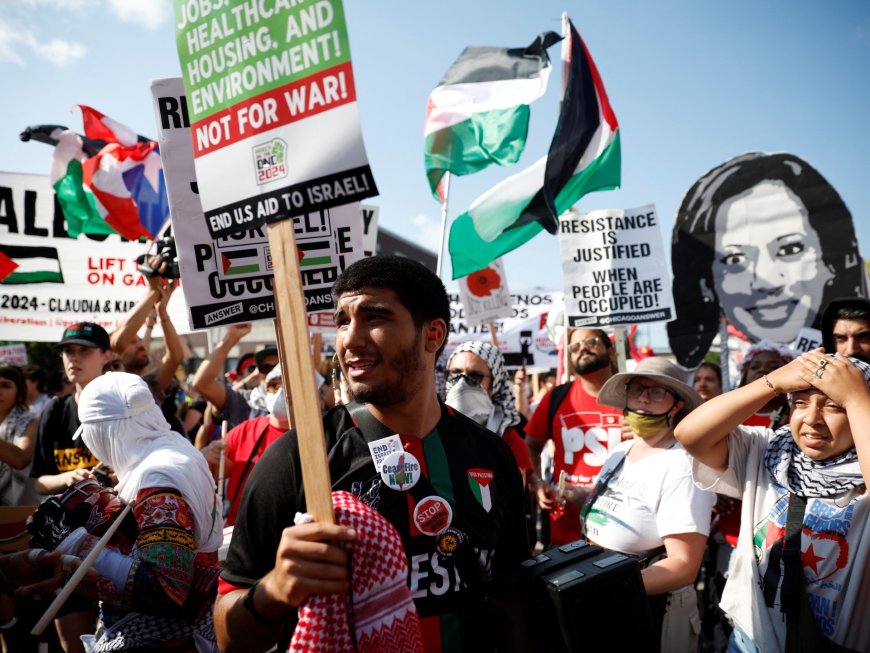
{"x":835,"y":546}
{"x":646,"y":501}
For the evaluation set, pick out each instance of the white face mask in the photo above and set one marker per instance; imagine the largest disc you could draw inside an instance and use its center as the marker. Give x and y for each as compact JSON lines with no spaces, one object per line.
{"x":470,"y":400}
{"x":276,"y":405}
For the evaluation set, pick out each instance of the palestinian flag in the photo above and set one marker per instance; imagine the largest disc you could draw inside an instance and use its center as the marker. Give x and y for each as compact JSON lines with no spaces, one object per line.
{"x":478,"y":114}
{"x":479,"y":480}
{"x":584,"y":156}
{"x":240,"y":261}
{"x":31,"y":265}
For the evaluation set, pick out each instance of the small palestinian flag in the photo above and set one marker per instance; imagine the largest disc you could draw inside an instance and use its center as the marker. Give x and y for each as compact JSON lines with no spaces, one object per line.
{"x":31,"y":265}
{"x":479,"y":480}
{"x":240,"y":261}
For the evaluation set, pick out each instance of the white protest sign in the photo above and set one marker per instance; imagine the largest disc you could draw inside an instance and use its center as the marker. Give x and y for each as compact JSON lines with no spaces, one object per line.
{"x":14,"y":354}
{"x":614,"y":267}
{"x":273,"y":113}
{"x":229,"y":280}
{"x":485,"y":294}
{"x":370,"y":228}
{"x":523,"y":337}
{"x":60,"y":280}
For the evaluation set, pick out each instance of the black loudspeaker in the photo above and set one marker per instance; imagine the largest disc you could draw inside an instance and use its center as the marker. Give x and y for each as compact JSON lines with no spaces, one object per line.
{"x":580,"y":597}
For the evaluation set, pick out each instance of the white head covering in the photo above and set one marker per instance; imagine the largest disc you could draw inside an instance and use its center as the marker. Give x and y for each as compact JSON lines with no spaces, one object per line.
{"x":124,"y":428}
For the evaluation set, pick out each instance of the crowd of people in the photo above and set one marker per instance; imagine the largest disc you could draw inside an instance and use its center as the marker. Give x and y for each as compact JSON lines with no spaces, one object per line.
{"x":744,"y":510}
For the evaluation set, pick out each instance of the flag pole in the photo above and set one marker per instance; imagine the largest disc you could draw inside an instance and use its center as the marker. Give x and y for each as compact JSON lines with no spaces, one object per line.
{"x":446,"y":180}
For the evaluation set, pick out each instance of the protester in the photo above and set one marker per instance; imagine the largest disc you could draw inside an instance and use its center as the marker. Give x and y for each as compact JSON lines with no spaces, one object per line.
{"x":766,"y":240}
{"x":236,"y":405}
{"x":809,"y":473}
{"x":478,"y":387}
{"x":846,"y":327}
{"x":157,"y":590}
{"x":763,"y":358}
{"x":18,"y":428}
{"x":36,"y":381}
{"x":708,"y":380}
{"x":583,"y":429}
{"x":247,"y":442}
{"x":391,"y":315}
{"x":644,"y":502}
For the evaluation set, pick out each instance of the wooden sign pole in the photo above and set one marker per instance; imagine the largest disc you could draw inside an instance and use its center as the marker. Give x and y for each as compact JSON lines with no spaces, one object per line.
{"x":492,"y":334}
{"x":297,"y":374}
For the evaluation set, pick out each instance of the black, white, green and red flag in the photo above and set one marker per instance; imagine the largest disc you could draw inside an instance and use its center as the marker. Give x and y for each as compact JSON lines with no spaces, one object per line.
{"x":479,"y":114}
{"x":584,"y":156}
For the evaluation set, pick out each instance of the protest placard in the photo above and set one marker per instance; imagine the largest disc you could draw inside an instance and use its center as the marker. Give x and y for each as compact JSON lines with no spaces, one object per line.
{"x":59,"y":280}
{"x":273,"y":113}
{"x":485,"y":294}
{"x":614,"y":268}
{"x":230,"y":279}
{"x":370,"y":228}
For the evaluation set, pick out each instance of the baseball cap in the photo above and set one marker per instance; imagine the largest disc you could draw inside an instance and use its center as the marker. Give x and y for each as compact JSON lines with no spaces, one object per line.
{"x":87,"y":334}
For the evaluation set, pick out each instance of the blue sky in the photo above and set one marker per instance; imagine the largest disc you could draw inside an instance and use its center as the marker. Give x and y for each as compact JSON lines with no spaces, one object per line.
{"x":692,"y":84}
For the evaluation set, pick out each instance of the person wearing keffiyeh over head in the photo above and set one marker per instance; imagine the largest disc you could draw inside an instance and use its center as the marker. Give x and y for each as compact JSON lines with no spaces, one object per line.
{"x":156,"y":591}
{"x":478,"y":387}
{"x":821,"y":457}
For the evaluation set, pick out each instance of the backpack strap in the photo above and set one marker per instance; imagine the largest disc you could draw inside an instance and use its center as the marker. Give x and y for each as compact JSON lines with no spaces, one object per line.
{"x":557,"y":396}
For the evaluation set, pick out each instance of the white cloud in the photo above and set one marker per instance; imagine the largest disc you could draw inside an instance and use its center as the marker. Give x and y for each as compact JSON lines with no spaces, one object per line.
{"x":59,"y":52}
{"x":10,"y":43}
{"x":16,"y":42}
{"x":428,"y":231}
{"x":150,"y":14}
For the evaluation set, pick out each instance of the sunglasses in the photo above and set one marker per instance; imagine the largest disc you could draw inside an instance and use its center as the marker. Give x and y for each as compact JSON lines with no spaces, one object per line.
{"x":654,"y":393}
{"x":265,"y":368}
{"x":590,"y":343}
{"x":474,"y":378}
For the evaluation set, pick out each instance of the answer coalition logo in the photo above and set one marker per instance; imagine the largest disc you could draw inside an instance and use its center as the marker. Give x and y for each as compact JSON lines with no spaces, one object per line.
{"x":270,"y":160}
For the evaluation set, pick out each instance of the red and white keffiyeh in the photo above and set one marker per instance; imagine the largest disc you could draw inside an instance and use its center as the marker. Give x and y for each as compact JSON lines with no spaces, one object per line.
{"x":381,"y":615}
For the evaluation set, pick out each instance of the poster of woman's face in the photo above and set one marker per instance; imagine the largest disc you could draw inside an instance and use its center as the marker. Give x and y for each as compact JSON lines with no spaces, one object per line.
{"x":765,"y":241}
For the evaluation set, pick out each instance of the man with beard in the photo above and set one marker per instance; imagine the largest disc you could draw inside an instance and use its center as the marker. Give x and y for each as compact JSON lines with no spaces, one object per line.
{"x":450,"y":487}
{"x":846,"y":327}
{"x":582,"y":430}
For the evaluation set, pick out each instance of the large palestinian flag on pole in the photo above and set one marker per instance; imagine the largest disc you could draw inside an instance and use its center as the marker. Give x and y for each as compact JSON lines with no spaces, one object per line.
{"x":479,"y":114}
{"x":584,"y":156}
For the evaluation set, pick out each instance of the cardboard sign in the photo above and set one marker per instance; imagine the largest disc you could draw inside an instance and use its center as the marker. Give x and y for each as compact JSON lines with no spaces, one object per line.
{"x":485,"y":294}
{"x":230,"y":279}
{"x":60,"y":280}
{"x":273,"y":113}
{"x":14,"y":354}
{"x":614,"y":267}
{"x":370,"y":228}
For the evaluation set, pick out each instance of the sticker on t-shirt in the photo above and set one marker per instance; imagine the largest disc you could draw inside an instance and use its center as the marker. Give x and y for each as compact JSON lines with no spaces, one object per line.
{"x":449,"y":541}
{"x":433,"y":515}
{"x":479,"y":480}
{"x":400,"y":470}
{"x":382,"y":448}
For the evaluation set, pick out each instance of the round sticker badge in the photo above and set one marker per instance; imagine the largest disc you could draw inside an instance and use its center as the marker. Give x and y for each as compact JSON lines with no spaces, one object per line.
{"x":433,"y":515}
{"x":448,"y":541}
{"x":401,"y":470}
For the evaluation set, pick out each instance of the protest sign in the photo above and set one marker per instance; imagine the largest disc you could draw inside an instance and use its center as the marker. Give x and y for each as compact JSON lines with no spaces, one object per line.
{"x":523,"y":337}
{"x":230,"y":279}
{"x":485,"y":294}
{"x":370,"y":229}
{"x":273,"y":113}
{"x":614,"y":267}
{"x":60,"y":280}
{"x":15,"y":354}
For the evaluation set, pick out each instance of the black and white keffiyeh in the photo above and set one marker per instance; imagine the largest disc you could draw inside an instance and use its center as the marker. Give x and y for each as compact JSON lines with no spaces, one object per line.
{"x":790,"y":468}
{"x":502,"y":397}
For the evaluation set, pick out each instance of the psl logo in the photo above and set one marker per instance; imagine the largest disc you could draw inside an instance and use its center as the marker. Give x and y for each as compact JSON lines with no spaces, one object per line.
{"x":270,"y":160}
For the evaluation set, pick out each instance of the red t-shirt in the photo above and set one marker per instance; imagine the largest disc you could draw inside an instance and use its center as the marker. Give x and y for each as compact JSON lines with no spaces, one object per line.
{"x":584,"y":432}
{"x":518,"y":446}
{"x":240,"y":443}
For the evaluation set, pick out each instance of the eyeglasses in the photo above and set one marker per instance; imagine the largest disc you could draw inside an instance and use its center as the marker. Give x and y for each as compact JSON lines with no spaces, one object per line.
{"x":655,"y":393}
{"x":265,"y":368}
{"x":474,"y":378}
{"x":590,"y":343}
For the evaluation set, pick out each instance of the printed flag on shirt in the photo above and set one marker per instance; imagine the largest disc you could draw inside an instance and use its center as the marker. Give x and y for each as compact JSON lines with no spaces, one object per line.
{"x":584,"y":156}
{"x":479,"y":480}
{"x":31,"y":265}
{"x":479,"y":114}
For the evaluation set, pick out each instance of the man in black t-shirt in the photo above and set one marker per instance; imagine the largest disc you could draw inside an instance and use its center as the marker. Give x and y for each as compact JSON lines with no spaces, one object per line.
{"x":458,"y":510}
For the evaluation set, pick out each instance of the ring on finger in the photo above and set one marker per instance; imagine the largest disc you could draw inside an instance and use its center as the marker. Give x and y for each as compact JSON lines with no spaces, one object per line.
{"x":823,"y":362}
{"x":818,"y":373}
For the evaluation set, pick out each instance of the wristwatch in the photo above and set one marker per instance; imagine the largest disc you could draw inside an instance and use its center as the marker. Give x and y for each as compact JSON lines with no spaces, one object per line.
{"x":248,"y":604}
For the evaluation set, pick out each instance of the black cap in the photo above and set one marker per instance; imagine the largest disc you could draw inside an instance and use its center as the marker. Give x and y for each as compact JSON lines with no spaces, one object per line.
{"x":87,"y":334}
{"x":829,"y":318}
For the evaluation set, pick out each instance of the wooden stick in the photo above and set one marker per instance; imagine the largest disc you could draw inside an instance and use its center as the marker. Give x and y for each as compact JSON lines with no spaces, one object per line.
{"x":222,"y":461}
{"x":298,"y":376}
{"x":316,"y":348}
{"x":76,"y":578}
{"x":492,"y":334}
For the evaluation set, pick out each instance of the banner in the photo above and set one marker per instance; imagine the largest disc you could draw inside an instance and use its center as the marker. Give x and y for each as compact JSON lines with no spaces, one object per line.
{"x":273,"y":113}
{"x":614,"y":267}
{"x":523,"y":337}
{"x":59,"y":280}
{"x":13,"y":354}
{"x":485,"y":294}
{"x":229,"y":279}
